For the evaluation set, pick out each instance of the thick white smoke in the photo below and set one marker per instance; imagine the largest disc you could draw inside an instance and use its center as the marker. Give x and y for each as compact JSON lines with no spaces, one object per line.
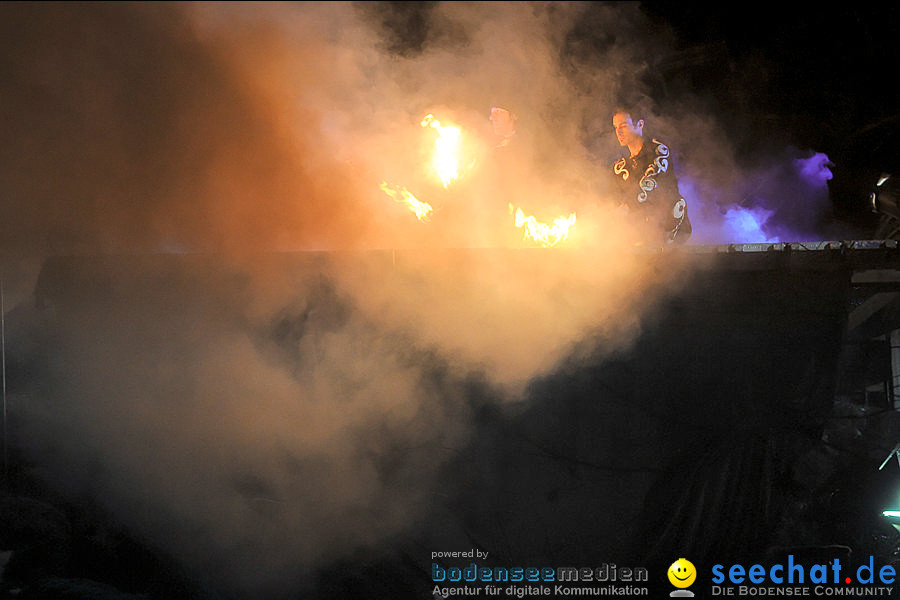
{"x":258,"y":417}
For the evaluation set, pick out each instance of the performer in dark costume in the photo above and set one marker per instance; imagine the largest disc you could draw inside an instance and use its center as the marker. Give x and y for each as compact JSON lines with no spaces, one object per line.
{"x":649,"y":184}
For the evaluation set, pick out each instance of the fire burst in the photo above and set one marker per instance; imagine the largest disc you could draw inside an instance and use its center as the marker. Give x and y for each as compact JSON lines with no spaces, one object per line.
{"x":542,"y":233}
{"x":446,"y":148}
{"x":400,"y":194}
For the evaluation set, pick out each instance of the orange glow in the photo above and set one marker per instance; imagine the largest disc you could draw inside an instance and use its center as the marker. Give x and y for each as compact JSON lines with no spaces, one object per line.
{"x":446,"y":150}
{"x":542,"y":233}
{"x":400,"y":194}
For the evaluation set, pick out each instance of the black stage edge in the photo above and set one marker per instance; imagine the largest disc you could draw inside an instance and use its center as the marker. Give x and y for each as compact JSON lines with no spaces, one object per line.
{"x":745,"y":422}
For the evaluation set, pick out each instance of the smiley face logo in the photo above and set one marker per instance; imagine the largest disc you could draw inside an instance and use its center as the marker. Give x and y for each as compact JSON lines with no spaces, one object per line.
{"x":682,"y":573}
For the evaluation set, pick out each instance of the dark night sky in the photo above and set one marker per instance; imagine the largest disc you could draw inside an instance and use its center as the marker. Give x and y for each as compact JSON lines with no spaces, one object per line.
{"x":819,"y":73}
{"x":825,"y":72}
{"x":816,"y":76}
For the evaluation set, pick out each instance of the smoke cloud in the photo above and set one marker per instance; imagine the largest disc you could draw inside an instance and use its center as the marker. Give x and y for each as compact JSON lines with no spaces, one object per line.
{"x":259,"y":416}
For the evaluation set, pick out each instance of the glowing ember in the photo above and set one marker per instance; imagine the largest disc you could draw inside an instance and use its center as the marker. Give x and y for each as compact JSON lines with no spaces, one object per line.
{"x":446,"y":148}
{"x":544,"y":234}
{"x":400,"y":194}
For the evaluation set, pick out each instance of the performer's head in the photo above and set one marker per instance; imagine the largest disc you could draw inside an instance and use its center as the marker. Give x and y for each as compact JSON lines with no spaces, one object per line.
{"x":503,"y":120}
{"x":629,"y":127}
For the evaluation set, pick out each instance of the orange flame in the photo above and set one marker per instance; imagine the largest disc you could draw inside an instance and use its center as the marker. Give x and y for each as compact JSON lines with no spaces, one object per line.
{"x":446,"y":149}
{"x":542,"y":233}
{"x":400,"y":194}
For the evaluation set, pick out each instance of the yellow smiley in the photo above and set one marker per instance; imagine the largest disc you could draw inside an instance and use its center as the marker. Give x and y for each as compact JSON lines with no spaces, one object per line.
{"x":682,"y":573}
